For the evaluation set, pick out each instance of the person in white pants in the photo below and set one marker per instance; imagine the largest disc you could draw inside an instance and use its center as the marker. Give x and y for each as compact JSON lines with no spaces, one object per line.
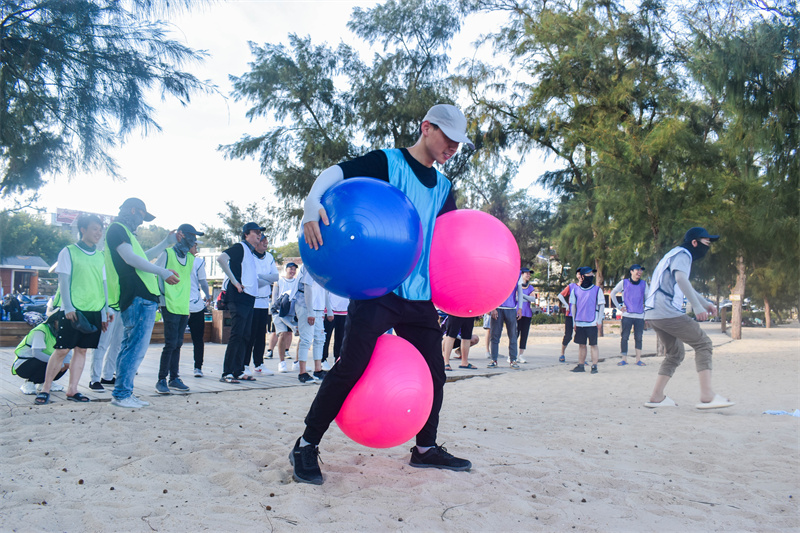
{"x":104,"y":357}
{"x":312,"y":300}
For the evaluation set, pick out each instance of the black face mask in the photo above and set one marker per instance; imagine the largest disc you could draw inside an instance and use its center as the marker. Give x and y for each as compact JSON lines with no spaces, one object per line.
{"x":698,"y":252}
{"x":587,"y":282}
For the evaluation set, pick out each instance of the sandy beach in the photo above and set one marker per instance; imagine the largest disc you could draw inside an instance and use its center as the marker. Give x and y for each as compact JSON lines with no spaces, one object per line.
{"x":551,"y":450}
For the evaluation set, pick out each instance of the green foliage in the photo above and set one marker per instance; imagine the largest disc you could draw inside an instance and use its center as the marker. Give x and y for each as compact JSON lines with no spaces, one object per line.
{"x":291,"y":249}
{"x":236,"y":217}
{"x":325,"y":101}
{"x":543,"y":318}
{"x":150,"y":236}
{"x":24,"y":234}
{"x":73,"y":82}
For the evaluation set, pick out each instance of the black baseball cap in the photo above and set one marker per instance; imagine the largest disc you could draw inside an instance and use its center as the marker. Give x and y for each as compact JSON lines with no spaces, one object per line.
{"x":188,"y":228}
{"x":250,"y":226}
{"x":138,"y":204}
{"x":586,"y":270}
{"x":524,"y":269}
{"x":698,"y":233}
{"x":637,"y":267}
{"x":291,"y":264}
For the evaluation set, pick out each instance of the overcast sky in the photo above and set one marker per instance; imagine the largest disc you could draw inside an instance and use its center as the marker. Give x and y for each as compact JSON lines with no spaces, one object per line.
{"x":178,"y":172}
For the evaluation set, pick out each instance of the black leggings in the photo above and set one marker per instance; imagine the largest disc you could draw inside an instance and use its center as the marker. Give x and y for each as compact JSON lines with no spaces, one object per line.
{"x":567,"y":331}
{"x":197,"y":327}
{"x":523,"y":327}
{"x":414,"y":321}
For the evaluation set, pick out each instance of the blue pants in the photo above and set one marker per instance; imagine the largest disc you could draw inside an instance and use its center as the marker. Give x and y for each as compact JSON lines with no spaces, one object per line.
{"x":138,"y":320}
{"x":509,"y":318}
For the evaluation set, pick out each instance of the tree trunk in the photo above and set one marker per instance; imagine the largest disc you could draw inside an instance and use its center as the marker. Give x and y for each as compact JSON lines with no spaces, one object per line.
{"x":767,"y":317}
{"x":723,"y":318}
{"x":738,"y":300}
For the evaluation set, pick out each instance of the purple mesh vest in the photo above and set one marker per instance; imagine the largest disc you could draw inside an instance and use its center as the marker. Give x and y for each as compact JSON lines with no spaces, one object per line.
{"x":633,"y":296}
{"x":586,"y":303}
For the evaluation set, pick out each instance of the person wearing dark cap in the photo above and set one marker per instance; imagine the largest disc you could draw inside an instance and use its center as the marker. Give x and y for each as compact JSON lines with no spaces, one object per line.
{"x":174,"y":303}
{"x":664,"y":312}
{"x":569,"y":326}
{"x":634,"y":290}
{"x":408,"y":309}
{"x":586,"y":305}
{"x":241,"y":289}
{"x":262,"y":320}
{"x":133,"y":288}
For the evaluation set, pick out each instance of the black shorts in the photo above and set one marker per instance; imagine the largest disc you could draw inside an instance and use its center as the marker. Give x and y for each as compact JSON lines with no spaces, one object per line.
{"x":456,"y":324}
{"x":582,"y":334}
{"x":67,"y":337}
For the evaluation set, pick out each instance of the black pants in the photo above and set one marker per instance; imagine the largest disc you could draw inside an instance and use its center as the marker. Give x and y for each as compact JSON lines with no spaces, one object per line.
{"x":334,"y":329}
{"x":414,"y":321}
{"x":174,"y":327}
{"x":523,"y":328}
{"x":567,"y":330}
{"x":241,"y":323}
{"x":258,"y":337}
{"x":197,"y":326}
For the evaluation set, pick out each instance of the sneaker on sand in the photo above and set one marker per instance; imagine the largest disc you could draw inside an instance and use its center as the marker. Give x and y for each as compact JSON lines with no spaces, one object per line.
{"x":111,"y":381}
{"x":305,"y":461}
{"x":594,"y":369}
{"x":128,"y":402}
{"x":282,"y":367}
{"x":178,"y":385}
{"x":306,"y":378}
{"x":325,"y":366}
{"x":198,"y":373}
{"x":295,"y":366}
{"x":161,"y":387}
{"x":319,"y":374}
{"x":96,"y":386}
{"x":514,"y":365}
{"x":141,"y":402}
{"x":29,"y":388}
{"x":259,"y":368}
{"x":521,"y":360}
{"x":437,"y":457}
{"x":493,"y":364}
{"x":578,"y":368}
{"x":247,"y":371}
{"x":269,"y":354}
{"x":265,"y":371}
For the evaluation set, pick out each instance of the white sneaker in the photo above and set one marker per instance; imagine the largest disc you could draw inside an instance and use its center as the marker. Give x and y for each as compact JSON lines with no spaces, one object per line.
{"x":130,"y":402}
{"x":521,"y":360}
{"x":259,"y":369}
{"x":29,"y":387}
{"x":266,"y":371}
{"x":247,"y":371}
{"x":54,"y":387}
{"x":325,"y":366}
{"x":141,"y":402}
{"x":198,"y":373}
{"x":295,"y":366}
{"x":282,"y":367}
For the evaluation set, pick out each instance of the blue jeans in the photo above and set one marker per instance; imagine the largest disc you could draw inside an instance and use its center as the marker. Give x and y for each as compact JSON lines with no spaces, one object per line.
{"x":509,"y":318}
{"x":138,"y":320}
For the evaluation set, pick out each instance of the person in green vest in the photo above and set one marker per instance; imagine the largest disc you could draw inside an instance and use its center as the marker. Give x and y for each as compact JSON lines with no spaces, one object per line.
{"x":84,"y":304}
{"x":32,"y":354}
{"x":133,"y":287}
{"x":175,"y":307}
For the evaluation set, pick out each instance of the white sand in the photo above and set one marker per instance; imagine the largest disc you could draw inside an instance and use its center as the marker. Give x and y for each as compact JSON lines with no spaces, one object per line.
{"x":551,"y":450}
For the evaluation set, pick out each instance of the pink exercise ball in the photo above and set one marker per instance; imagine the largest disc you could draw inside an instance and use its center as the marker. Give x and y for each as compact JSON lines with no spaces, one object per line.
{"x":392,"y":400}
{"x":474,"y":263}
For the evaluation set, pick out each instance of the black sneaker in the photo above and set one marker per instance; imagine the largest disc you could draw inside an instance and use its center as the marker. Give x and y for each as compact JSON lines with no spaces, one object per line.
{"x":96,"y":386}
{"x":269,"y":354}
{"x":111,"y":381}
{"x":320,"y":374}
{"x":437,"y":457}
{"x":594,"y":369}
{"x":306,"y":378}
{"x":304,"y":459}
{"x":579,"y":368}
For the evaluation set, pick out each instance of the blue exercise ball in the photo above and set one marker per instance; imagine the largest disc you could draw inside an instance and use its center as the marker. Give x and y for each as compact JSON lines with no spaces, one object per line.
{"x":372,"y":243}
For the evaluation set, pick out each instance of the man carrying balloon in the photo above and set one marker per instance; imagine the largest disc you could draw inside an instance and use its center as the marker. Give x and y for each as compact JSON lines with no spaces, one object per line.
{"x":407,"y":306}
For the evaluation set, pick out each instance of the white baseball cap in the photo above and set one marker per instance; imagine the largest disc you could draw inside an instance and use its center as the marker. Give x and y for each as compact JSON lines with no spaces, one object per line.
{"x":451,"y":121}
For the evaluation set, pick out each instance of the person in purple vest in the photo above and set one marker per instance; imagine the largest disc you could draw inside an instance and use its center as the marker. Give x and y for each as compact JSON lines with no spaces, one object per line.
{"x":634,"y":291}
{"x":586,"y":305}
{"x":525,"y":296}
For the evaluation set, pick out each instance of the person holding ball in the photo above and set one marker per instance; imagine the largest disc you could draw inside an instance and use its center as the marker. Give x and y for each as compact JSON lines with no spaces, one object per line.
{"x":407,"y":309}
